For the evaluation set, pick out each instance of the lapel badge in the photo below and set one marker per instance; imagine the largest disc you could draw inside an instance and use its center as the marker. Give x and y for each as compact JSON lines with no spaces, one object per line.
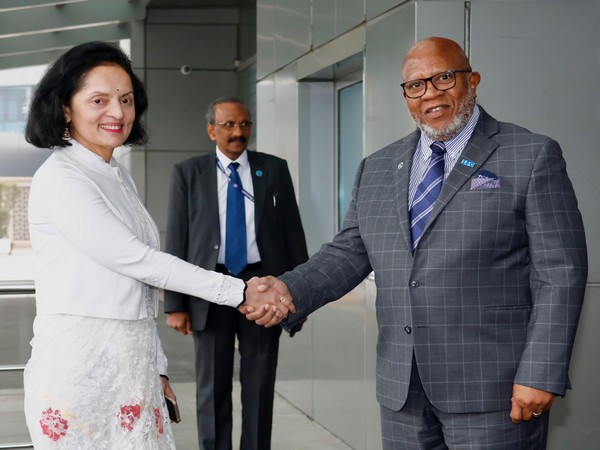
{"x":259,"y":173}
{"x":400,"y":165}
{"x":466,"y":162}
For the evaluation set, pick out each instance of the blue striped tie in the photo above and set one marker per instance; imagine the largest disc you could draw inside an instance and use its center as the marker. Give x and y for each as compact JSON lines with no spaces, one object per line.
{"x":235,"y":224}
{"x":427,"y":192}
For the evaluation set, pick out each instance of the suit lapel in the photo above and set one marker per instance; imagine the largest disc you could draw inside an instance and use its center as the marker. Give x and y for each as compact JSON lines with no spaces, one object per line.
{"x":259,"y":185}
{"x":402,"y":164}
{"x":207,"y":181}
{"x":477,"y":151}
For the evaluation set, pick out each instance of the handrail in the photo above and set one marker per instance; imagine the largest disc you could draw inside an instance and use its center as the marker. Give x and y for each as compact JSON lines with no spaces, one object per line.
{"x":17,"y":287}
{"x":12,"y":368}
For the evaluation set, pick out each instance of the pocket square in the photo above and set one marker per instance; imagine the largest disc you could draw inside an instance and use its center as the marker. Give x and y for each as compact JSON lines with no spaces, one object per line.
{"x":484,"y":179}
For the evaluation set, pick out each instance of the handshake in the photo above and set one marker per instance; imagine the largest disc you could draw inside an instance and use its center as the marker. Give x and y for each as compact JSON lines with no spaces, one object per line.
{"x":268,"y":301}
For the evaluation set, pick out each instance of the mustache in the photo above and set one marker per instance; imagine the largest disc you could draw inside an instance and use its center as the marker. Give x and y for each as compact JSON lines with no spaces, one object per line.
{"x":240,"y":139}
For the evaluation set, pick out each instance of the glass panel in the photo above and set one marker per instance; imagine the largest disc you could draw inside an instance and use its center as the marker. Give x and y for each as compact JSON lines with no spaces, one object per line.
{"x":18,"y":163}
{"x":350,"y":143}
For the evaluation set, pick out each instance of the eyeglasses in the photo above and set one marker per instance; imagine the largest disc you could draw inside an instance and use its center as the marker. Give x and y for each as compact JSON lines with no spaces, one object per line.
{"x":441,"y":81}
{"x":230,"y":125}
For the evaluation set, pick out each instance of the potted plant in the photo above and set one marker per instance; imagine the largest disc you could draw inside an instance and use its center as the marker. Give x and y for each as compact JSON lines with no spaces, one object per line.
{"x":8,"y":195}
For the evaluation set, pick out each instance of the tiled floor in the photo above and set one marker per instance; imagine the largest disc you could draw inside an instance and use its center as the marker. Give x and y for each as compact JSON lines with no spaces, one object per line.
{"x":292,"y":429}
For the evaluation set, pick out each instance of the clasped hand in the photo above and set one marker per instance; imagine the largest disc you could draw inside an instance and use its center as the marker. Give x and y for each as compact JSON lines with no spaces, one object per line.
{"x":268,"y":301}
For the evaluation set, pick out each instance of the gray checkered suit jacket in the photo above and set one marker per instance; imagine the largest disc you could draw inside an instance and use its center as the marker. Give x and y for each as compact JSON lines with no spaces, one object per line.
{"x":491,"y":296}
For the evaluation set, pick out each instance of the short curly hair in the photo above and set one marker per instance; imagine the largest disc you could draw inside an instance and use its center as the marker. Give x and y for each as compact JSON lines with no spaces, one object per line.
{"x":63,"y":79}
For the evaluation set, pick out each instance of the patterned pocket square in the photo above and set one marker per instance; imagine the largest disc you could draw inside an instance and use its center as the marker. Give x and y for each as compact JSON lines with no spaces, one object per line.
{"x":484,"y":179}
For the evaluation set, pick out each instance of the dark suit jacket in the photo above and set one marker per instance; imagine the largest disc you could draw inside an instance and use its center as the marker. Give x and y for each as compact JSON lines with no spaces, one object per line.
{"x":491,"y":296}
{"x":193,"y":231}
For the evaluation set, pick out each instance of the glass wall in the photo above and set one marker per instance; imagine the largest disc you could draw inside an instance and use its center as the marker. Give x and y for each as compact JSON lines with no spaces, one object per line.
{"x":350,"y":143}
{"x":18,"y":163}
{"x":13,"y":102}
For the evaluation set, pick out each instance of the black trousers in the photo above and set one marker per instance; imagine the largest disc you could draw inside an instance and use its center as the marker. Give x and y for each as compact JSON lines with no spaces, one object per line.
{"x":214,"y":351}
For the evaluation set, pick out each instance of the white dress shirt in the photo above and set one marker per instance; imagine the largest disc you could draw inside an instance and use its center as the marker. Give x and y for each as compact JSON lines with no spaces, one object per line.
{"x":245,"y":174}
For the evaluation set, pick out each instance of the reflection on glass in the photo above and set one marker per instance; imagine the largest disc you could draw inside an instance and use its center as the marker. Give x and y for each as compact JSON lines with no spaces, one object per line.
{"x":18,"y":163}
{"x":350,"y":143}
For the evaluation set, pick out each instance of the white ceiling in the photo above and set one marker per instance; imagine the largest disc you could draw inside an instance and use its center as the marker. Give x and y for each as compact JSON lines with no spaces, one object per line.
{"x":34,"y":32}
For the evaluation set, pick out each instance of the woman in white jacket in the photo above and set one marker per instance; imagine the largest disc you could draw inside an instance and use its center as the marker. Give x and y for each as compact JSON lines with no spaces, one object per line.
{"x":97,"y":372}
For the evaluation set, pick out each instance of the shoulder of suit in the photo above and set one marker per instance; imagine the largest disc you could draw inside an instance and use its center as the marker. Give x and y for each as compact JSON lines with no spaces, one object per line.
{"x":265,"y":157}
{"x":407,"y":143}
{"x":511,"y":131}
{"x":491,"y":125}
{"x":194,"y":161}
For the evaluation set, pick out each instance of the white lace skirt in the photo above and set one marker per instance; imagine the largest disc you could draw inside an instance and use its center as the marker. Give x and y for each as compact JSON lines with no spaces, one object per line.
{"x":94,"y":384}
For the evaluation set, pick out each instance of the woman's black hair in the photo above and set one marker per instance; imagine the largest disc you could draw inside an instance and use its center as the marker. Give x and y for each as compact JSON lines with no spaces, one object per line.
{"x":62,"y":80}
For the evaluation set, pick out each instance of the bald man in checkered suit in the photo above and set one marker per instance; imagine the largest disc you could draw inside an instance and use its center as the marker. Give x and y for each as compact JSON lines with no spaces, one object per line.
{"x":477,"y":323}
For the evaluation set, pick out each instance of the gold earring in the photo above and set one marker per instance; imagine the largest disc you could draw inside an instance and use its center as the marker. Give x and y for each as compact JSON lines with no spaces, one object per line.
{"x":66,"y":134}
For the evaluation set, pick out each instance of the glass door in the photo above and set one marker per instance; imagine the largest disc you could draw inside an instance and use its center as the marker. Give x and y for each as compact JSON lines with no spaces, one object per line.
{"x":349,"y":143}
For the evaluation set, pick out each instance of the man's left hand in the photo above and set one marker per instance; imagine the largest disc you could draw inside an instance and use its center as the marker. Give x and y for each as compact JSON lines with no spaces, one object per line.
{"x":528,"y":403}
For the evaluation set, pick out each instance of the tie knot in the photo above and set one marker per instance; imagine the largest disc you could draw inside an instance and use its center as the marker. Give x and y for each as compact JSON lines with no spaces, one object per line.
{"x":438,"y":148}
{"x":233,"y":166}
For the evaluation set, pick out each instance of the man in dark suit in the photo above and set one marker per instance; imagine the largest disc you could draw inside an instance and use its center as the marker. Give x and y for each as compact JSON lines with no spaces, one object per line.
{"x":269,"y":240}
{"x":472,"y":229}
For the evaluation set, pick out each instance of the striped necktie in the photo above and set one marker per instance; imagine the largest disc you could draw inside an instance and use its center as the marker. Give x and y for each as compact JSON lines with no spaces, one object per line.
{"x":427,"y":192}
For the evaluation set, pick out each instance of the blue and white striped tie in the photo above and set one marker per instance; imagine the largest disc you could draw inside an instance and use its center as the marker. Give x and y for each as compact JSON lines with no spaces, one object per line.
{"x":427,"y":192}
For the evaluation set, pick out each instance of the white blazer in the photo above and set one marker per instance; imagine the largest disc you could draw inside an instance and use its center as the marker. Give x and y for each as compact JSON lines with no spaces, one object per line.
{"x":90,"y":257}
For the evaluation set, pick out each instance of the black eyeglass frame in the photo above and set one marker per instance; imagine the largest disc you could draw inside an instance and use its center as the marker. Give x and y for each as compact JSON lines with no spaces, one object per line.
{"x":425,"y":80}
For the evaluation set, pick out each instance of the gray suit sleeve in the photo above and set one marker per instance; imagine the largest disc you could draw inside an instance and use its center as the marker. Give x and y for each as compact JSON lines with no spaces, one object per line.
{"x":337,"y":268}
{"x":558,"y":273}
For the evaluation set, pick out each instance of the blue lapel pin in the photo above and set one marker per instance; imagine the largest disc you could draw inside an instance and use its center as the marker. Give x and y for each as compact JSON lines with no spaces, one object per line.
{"x":466,"y":162}
{"x":259,"y":173}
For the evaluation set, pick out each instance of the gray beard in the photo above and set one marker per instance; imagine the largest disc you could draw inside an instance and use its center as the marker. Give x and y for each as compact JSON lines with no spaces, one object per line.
{"x":465,"y":110}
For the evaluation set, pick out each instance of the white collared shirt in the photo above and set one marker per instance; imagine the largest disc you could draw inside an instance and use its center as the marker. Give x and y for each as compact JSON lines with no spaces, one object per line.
{"x":245,"y":174}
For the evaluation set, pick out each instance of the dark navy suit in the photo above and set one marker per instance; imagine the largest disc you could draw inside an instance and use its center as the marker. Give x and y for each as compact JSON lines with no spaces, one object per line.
{"x":193,"y":234}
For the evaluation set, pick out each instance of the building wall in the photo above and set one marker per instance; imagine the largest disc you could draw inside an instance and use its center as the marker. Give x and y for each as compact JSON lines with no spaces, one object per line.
{"x":531,"y":75}
{"x":187,"y":58}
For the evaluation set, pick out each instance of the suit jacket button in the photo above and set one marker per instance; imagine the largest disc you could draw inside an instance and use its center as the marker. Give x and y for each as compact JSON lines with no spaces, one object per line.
{"x":408,"y":329}
{"x":414,"y":283}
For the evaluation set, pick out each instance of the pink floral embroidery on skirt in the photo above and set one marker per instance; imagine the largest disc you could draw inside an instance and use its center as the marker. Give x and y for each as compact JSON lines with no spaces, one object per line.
{"x":158,"y":419}
{"x":53,"y":425}
{"x":128,"y":415}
